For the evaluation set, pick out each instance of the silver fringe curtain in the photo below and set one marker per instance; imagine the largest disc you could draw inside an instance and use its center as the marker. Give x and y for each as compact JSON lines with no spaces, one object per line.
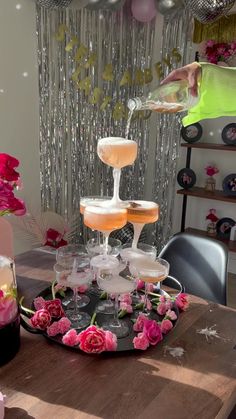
{"x":70,"y":125}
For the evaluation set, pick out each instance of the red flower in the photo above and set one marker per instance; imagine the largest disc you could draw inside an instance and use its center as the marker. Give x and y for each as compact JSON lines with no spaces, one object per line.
{"x":54,"y":308}
{"x":182,"y":301}
{"x":7,"y":165}
{"x":41,"y":319}
{"x":54,"y":239}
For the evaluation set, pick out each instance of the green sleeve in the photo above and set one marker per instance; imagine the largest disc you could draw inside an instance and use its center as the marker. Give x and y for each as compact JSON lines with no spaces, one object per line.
{"x":217,"y":94}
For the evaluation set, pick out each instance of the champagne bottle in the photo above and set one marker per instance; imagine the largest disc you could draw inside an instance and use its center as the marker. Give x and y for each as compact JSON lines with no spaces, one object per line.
{"x":170,"y":98}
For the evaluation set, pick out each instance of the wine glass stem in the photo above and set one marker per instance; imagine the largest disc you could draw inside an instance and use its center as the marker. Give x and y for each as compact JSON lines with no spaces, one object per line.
{"x":116,"y":312}
{"x":105,"y":249}
{"x":137,"y":231}
{"x":116,"y":177}
{"x":75,"y":302}
{"x":146,"y":310}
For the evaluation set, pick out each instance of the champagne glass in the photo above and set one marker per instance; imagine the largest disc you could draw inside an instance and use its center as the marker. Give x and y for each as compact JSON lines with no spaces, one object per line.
{"x":128,"y":253}
{"x":65,"y":257}
{"x":78,"y":319}
{"x":113,"y":283}
{"x":140,"y":213}
{"x":117,"y":152}
{"x":94,"y":200}
{"x":149,"y":271}
{"x":105,"y":220}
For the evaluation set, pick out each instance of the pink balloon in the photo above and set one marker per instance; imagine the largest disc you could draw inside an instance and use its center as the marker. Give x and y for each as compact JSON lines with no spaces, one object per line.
{"x":143,"y":10}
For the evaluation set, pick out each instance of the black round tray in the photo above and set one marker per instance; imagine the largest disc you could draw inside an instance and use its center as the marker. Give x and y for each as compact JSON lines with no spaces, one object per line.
{"x":123,"y":344}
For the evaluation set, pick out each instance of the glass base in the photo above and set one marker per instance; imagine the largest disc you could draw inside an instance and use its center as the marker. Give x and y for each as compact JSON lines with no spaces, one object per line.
{"x":79,"y":320}
{"x":118,"y":327}
{"x":82,"y":301}
{"x":105,"y":307}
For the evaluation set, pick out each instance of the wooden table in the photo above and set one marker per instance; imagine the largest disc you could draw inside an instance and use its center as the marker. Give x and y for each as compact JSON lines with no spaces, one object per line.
{"x":45,"y":380}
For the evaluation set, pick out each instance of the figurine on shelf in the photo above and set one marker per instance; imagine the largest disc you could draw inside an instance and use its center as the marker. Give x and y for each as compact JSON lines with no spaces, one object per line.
{"x":211,"y":170}
{"x":211,"y":226}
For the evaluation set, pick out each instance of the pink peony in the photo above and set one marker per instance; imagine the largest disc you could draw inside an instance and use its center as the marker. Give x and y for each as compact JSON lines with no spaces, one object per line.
{"x":162,"y":309}
{"x":71,"y":338}
{"x":54,"y":307}
{"x":152,"y":331}
{"x":111,"y":341}
{"x":139,"y":324}
{"x":141,"y":342}
{"x":166,"y":326}
{"x":170,"y":314}
{"x":7,"y":167}
{"x":127,"y":307}
{"x":92,"y":340}
{"x":8,"y":309}
{"x":39,"y":303}
{"x":125,"y":298}
{"x":182,"y":301}
{"x":41,"y":319}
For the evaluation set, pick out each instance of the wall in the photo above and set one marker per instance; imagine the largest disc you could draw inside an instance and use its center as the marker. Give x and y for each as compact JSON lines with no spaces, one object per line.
{"x":19,"y":107}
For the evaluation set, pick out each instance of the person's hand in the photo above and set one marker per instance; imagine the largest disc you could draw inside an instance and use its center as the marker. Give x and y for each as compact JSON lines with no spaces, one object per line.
{"x":190,"y":72}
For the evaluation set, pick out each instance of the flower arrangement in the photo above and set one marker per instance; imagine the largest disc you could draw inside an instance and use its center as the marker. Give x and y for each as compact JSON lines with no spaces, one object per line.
{"x":9,"y":180}
{"x":211,"y":170}
{"x":50,"y":318}
{"x":216,"y":52}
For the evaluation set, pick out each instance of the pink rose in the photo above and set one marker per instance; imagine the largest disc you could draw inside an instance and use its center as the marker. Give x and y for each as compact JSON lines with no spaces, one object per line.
{"x":41,"y":319}
{"x":92,"y":340}
{"x":110,"y":341}
{"x":162,"y":309}
{"x":148,"y":302}
{"x":139,"y":324}
{"x":54,"y":307}
{"x":126,"y":307}
{"x":166,"y":326}
{"x":182,"y":301}
{"x":125,"y":298}
{"x":8,"y":310}
{"x":71,"y":338}
{"x":39,"y":303}
{"x":170,"y":314}
{"x":141,"y":342}
{"x":152,"y":331}
{"x":140,"y":284}
{"x":82,"y":288}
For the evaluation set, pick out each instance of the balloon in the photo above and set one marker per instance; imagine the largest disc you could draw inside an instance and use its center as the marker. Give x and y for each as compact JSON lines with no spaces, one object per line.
{"x":167,"y":7}
{"x":53,"y":4}
{"x":95,"y":4}
{"x":143,"y":10}
{"x":206,"y":11}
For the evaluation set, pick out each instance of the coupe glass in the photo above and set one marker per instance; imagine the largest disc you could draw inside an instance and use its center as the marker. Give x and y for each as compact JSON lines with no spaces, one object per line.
{"x":140,"y":213}
{"x":117,"y":152}
{"x":149,"y":271}
{"x":115,"y":284}
{"x":65,"y":256}
{"x":94,"y":247}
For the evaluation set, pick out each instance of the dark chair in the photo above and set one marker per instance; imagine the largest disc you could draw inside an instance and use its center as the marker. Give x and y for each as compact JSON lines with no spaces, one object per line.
{"x":199,"y":264}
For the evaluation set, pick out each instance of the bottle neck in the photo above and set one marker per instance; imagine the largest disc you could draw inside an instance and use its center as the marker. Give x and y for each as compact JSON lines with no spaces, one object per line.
{"x":137,"y":103}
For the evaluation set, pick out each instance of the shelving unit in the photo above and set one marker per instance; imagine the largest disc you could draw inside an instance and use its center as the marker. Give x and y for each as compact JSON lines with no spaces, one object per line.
{"x":196,"y":191}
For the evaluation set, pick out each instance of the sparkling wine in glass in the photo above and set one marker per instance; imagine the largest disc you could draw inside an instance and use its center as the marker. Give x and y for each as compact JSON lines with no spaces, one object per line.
{"x":149,"y":271}
{"x":117,"y":152}
{"x":140,"y":213}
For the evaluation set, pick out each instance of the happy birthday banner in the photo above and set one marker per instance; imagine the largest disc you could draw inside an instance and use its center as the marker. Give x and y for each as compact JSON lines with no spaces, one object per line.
{"x":85,"y":60}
